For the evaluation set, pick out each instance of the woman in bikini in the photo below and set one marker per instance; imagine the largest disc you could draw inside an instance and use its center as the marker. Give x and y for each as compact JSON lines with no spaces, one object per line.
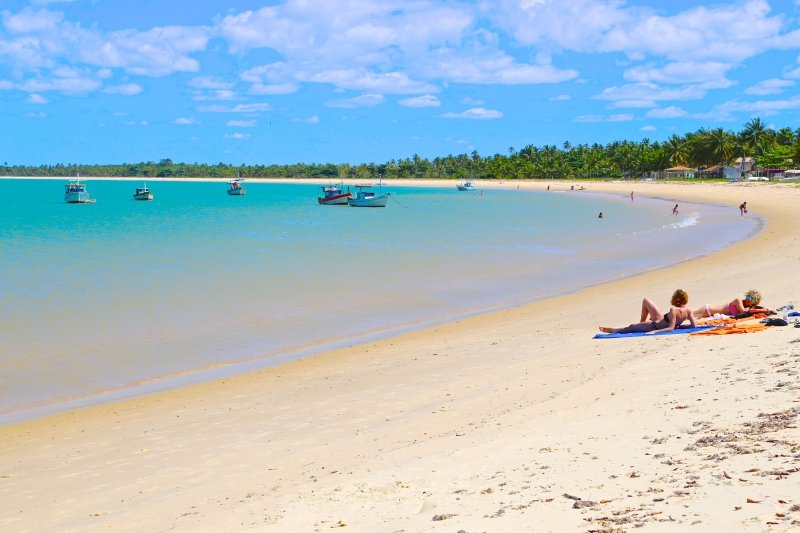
{"x":653,"y":320}
{"x":748,"y":304}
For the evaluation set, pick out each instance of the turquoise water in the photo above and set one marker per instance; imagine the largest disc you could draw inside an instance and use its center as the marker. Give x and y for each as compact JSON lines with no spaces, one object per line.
{"x":117,"y":297}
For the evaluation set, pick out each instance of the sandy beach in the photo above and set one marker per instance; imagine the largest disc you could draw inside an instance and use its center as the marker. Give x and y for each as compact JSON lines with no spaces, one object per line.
{"x":512,"y":421}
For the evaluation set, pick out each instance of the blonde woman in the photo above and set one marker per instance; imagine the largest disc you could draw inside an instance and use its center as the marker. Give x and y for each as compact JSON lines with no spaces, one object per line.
{"x":737,"y":306}
{"x":653,"y":320}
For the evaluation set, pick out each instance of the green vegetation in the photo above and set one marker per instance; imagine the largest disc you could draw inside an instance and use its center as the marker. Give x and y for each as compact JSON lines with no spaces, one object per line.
{"x":703,"y":148}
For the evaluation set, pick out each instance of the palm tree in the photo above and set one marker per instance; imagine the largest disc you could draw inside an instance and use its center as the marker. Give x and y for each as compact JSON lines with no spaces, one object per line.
{"x":720,"y":145}
{"x":677,"y":149}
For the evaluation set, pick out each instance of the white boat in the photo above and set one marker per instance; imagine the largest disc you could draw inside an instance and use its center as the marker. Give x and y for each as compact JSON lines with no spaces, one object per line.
{"x":466,"y":186}
{"x":143,"y":193}
{"x":75,"y":192}
{"x":236,"y":188}
{"x":333,"y":195}
{"x":367,"y":198}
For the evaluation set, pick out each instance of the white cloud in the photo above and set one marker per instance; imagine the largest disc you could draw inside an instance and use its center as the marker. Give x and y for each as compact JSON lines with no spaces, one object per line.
{"x":274,"y":89}
{"x":560,"y":98}
{"x":6,"y":85}
{"x":210,"y":83}
{"x":622,"y":117}
{"x":475,"y":102}
{"x":771,"y":86}
{"x":241,"y":123}
{"x":36,"y":115}
{"x":380,"y":47}
{"x":237,"y":135}
{"x":128,"y":89}
{"x":219,"y":94}
{"x":31,"y":21}
{"x":185,"y":121}
{"x":679,"y":72}
{"x":241,"y":108}
{"x":309,"y":120}
{"x":477,"y":113}
{"x":648,"y":128}
{"x":72,"y":85}
{"x":365,"y":100}
{"x":426,"y":100}
{"x":38,"y":99}
{"x":666,"y":112}
{"x":647,"y":94}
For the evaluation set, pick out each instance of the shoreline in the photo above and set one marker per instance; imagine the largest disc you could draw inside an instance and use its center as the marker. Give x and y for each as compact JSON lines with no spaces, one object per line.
{"x":226,"y":369}
{"x":449,"y":407}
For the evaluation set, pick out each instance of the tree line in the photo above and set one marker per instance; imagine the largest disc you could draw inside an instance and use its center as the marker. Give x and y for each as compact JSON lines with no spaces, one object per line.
{"x":770,"y":148}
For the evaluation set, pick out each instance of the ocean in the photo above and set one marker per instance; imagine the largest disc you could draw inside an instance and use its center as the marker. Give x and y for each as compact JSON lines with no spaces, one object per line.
{"x":120,"y":297}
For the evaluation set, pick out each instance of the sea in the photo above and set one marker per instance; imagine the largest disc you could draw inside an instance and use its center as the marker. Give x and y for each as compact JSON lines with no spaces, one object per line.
{"x":121,"y":297}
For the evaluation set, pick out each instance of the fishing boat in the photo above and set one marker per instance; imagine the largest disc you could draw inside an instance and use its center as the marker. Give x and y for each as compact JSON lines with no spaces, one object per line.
{"x":75,"y":192}
{"x":365,"y":197}
{"x":466,"y":186}
{"x":333,"y":195}
{"x":236,"y":188}
{"x":143,"y":193}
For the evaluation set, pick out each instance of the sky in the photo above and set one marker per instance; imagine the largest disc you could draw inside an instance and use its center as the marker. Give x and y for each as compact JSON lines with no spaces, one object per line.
{"x":351,"y":81}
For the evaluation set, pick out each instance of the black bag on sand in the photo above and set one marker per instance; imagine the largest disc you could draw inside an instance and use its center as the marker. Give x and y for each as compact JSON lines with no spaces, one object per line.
{"x":775,"y":322}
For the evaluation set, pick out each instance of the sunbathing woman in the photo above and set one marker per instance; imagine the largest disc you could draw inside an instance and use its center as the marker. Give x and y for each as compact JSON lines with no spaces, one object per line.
{"x":738,"y":306}
{"x":658,"y":321}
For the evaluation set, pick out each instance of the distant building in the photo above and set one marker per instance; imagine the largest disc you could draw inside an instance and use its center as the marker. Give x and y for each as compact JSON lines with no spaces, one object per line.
{"x":745,"y":164}
{"x":679,"y":172}
{"x":722,"y":172}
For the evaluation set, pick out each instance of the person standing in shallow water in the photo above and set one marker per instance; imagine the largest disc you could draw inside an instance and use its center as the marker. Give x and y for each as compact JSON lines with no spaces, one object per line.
{"x":675,"y":210}
{"x":631,"y":196}
{"x":743,"y":208}
{"x":600,"y":215}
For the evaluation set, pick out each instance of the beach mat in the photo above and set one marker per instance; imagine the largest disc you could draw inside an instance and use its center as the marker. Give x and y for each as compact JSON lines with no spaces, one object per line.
{"x":678,"y":331}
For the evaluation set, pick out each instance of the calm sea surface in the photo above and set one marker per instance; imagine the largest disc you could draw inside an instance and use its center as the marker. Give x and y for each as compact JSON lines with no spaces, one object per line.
{"x":118,"y":297}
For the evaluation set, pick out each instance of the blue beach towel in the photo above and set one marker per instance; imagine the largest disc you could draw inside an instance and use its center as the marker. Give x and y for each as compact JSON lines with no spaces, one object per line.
{"x":793,"y":313}
{"x":680,"y":330}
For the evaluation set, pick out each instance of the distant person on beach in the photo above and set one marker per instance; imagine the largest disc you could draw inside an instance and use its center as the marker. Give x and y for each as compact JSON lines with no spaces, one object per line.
{"x":675,"y":210}
{"x":737,"y":306}
{"x":548,"y":187}
{"x":653,"y":320}
{"x":631,"y":196}
{"x":743,"y":208}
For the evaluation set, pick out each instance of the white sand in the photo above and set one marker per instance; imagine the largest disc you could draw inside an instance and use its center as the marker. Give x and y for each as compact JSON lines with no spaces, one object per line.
{"x":494,"y":423}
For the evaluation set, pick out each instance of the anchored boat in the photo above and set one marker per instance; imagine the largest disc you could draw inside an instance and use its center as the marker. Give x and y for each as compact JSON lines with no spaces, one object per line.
{"x":75,"y":192}
{"x":365,"y":197}
{"x":333,"y":195}
{"x":466,"y":186}
{"x":236,"y":188}
{"x":143,"y":193}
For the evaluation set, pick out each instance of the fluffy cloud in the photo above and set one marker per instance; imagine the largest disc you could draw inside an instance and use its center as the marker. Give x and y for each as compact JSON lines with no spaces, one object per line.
{"x":666,"y":112}
{"x":237,"y":136}
{"x":365,"y":100}
{"x":476,"y":113}
{"x":183,"y":121}
{"x":241,"y":108}
{"x":622,"y":117}
{"x":309,"y":120}
{"x":426,"y":100}
{"x":241,"y":123}
{"x":128,"y":89}
{"x":771,"y":86}
{"x":38,"y":99}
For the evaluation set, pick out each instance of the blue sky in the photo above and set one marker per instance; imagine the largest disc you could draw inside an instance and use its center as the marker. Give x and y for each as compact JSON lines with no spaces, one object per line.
{"x":263,"y":82}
